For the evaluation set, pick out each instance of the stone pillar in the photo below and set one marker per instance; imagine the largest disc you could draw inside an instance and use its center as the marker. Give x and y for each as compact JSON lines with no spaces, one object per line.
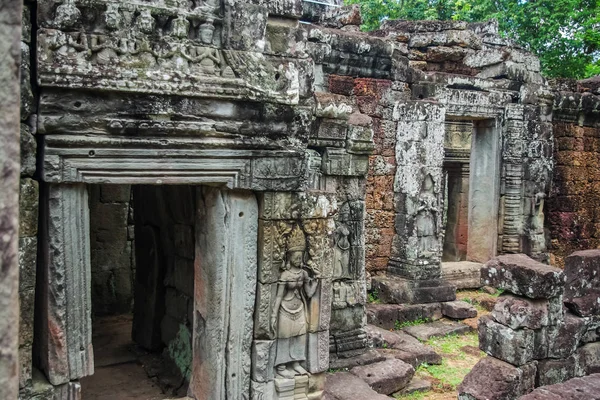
{"x":224,"y":294}
{"x":10,"y":35}
{"x":64,"y":328}
{"x":418,"y":188}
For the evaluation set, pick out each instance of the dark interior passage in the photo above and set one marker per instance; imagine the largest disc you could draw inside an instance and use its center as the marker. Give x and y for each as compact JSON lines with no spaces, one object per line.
{"x":143,"y":253}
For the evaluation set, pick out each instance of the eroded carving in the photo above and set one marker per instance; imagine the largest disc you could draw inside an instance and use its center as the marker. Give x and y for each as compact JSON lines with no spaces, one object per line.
{"x":289,"y":320}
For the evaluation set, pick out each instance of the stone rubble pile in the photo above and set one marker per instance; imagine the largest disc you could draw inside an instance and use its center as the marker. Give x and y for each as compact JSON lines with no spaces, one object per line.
{"x":544,"y":329}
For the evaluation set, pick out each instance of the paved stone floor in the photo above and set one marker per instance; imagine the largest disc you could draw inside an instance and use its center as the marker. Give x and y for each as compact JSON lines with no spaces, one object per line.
{"x":118,"y":375}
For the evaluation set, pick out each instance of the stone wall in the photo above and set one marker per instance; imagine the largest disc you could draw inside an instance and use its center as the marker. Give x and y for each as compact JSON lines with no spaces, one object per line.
{"x":543,"y":329}
{"x":10,"y":36}
{"x":113,"y":262}
{"x":28,"y":203}
{"x":574,"y":216}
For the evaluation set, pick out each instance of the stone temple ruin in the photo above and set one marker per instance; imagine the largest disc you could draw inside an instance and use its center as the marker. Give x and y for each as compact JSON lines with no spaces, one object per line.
{"x":223,"y":180}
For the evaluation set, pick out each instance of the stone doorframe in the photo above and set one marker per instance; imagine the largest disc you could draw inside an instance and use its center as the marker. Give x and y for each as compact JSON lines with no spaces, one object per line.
{"x":421,"y":134}
{"x":227,"y":363}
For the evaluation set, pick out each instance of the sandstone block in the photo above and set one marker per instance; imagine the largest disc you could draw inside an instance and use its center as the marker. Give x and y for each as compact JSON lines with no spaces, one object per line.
{"x":521,"y":275}
{"x":586,"y":388}
{"x":386,"y":377}
{"x":519,"y":312}
{"x":552,"y":371}
{"x":588,"y":359}
{"x":28,"y":151}
{"x":402,"y":346}
{"x":28,"y":207}
{"x":397,"y":290}
{"x":492,"y":379}
{"x":582,"y":290}
{"x":347,"y":386}
{"x":463,"y":274}
{"x":388,"y":315}
{"x":513,"y":346}
{"x":458,"y":310}
{"x":436,"y":329}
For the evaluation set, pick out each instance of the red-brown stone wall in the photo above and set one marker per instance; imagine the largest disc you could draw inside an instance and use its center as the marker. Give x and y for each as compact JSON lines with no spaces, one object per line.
{"x":574,"y":206}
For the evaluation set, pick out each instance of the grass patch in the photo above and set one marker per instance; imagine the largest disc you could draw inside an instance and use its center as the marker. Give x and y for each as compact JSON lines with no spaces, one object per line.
{"x":412,"y":396}
{"x":452,"y":344}
{"x":399,"y":325}
{"x":447,"y":374}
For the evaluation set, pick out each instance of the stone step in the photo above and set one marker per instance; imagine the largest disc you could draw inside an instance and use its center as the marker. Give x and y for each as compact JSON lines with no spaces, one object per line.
{"x":386,"y":377}
{"x":402,"y":346}
{"x":347,"y":386}
{"x":440,"y":328}
{"x":387,"y":316}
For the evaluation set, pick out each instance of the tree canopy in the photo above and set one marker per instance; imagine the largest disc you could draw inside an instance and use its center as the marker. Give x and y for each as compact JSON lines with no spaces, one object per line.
{"x":564,"y":34}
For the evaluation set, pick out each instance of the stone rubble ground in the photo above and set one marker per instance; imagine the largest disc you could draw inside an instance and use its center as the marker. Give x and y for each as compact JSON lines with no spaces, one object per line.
{"x":389,"y":368}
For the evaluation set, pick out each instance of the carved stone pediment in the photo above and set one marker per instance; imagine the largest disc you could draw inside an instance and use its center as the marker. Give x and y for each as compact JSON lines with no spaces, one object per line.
{"x":170,"y":47}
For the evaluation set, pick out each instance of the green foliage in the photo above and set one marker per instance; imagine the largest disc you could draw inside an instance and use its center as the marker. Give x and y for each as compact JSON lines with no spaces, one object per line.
{"x":564,"y":34}
{"x":453,"y":344}
{"x":373,"y":297}
{"x":399,"y":325}
{"x":412,"y":396}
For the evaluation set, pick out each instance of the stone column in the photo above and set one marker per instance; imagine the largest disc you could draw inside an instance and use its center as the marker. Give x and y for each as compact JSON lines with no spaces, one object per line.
{"x":10,"y":36}
{"x":65,"y":324}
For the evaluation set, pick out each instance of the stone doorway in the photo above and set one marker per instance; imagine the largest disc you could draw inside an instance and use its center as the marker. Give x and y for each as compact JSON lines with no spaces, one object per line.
{"x":472,"y":171}
{"x":195,"y":247}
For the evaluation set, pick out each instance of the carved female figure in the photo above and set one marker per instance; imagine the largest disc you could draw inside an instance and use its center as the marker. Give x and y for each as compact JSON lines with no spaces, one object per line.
{"x":289,"y":319}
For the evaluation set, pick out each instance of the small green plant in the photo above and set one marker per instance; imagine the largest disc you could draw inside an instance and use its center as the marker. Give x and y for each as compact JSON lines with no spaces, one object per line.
{"x":374,"y":297}
{"x":385,"y":345}
{"x":399,"y":325}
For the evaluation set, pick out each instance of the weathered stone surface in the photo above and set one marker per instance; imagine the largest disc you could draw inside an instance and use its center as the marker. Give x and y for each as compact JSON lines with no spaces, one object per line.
{"x":388,"y":315}
{"x":347,"y":386}
{"x":582,"y":290}
{"x":497,"y":340}
{"x":366,"y":358}
{"x":436,"y":329}
{"x":395,"y":290}
{"x":458,"y":310}
{"x":28,"y":151}
{"x":492,"y":379}
{"x":415,"y":385}
{"x":519,"y":312}
{"x":28,"y":207}
{"x":588,"y":359}
{"x":523,"y":276}
{"x":586,"y":388}
{"x":386,"y":377}
{"x":462,"y":274}
{"x":402,"y":346}
{"x":552,"y":371}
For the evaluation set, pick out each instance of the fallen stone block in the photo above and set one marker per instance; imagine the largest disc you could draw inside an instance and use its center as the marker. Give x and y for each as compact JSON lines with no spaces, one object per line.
{"x":519,"y":312}
{"x":551,"y":371}
{"x":567,"y":337}
{"x":396,"y":290}
{"x":586,"y":388}
{"x":366,"y":358}
{"x":347,"y":386}
{"x":588,"y":359}
{"x":387,"y":316}
{"x":415,"y":385}
{"x":582,"y":290}
{"x":458,"y":310}
{"x":436,"y":329}
{"x":462,"y":274}
{"x":493,"y":379}
{"x":591,"y":332}
{"x":386,"y":377}
{"x":513,"y":346}
{"x":523,"y":276}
